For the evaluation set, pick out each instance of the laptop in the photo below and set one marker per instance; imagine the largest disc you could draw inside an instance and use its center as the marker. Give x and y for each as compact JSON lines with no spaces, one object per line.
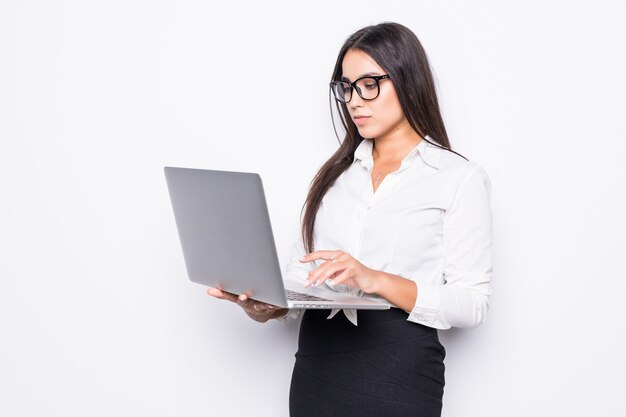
{"x":227,"y":241}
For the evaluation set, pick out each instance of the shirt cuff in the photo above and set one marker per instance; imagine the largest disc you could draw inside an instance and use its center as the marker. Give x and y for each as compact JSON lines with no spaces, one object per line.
{"x":293,"y":313}
{"x":427,"y":305}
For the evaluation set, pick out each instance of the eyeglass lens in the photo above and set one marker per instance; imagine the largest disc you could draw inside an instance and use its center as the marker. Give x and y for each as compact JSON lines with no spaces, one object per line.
{"x":367,"y":88}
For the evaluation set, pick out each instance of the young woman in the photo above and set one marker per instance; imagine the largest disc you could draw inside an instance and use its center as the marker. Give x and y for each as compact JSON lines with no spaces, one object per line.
{"x":394,"y":214}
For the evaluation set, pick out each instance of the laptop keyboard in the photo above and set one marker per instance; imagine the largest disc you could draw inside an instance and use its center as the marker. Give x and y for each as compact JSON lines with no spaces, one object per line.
{"x":298,"y":296}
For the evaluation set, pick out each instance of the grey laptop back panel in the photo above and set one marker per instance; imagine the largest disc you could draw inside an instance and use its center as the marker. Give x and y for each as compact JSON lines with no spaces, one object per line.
{"x":226,"y":236}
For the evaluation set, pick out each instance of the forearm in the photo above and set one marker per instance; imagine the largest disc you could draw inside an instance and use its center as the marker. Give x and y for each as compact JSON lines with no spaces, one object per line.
{"x":397,"y":290}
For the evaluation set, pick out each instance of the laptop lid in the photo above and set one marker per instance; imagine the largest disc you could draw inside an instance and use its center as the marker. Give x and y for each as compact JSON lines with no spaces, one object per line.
{"x":225,"y":231}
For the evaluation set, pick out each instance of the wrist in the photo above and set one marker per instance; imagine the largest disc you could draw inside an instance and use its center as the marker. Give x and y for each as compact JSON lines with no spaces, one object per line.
{"x":399,"y":291}
{"x":280,"y":313}
{"x":380,"y":281}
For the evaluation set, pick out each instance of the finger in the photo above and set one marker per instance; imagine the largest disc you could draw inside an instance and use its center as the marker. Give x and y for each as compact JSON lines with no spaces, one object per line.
{"x":243,"y":301}
{"x":346,"y":275}
{"x":263,"y":308}
{"x":224,"y":295}
{"x":214,"y":292}
{"x":246,"y":303}
{"x":315,"y":274}
{"x":244,"y":298}
{"x":257,"y":306}
{"x":260,"y":316}
{"x":322,"y":269}
{"x":320,"y":254}
{"x":324,"y":272}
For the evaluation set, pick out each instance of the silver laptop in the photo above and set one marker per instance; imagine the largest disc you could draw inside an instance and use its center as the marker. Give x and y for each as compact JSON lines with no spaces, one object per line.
{"x":227,"y":240}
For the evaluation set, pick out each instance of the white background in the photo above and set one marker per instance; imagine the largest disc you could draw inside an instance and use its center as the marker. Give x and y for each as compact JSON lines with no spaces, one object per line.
{"x":97,"y":316}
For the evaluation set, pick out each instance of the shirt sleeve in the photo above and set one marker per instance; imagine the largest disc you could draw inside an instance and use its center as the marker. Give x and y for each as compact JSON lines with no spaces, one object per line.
{"x":463,"y":300}
{"x":298,"y":272}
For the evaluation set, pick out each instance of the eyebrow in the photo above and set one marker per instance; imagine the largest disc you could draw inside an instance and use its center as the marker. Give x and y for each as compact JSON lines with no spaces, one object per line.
{"x":367,"y":74}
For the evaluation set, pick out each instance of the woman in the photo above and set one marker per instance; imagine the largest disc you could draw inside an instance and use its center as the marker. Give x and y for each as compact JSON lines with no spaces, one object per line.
{"x":394,"y":214}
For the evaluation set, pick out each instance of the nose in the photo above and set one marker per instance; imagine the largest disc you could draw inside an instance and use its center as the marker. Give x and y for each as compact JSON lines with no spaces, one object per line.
{"x":356,"y":100}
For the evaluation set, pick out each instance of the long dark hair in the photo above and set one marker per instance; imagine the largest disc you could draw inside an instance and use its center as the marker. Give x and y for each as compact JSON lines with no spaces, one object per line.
{"x":396,"y":49}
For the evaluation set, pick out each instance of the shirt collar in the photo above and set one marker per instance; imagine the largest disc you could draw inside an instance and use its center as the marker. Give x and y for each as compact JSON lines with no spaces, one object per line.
{"x":429,"y":153}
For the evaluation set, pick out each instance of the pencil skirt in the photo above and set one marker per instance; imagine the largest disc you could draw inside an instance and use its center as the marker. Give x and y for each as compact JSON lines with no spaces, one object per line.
{"x":384,"y":367}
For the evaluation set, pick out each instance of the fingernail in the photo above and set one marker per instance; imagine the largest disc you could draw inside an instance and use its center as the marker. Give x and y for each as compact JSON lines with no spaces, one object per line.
{"x":330,"y":282}
{"x":302,"y":259}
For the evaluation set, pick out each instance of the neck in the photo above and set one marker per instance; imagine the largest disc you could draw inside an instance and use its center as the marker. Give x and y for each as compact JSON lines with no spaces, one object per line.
{"x":396,"y":144}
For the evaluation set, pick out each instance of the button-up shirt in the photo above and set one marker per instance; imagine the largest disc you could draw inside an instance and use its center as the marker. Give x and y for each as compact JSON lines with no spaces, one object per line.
{"x":430,"y":221}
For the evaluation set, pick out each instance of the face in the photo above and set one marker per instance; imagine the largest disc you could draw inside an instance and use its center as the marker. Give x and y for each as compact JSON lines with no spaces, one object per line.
{"x":383,"y":114}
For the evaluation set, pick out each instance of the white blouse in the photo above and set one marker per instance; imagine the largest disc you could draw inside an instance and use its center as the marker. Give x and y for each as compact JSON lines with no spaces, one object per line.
{"x":430,"y":221}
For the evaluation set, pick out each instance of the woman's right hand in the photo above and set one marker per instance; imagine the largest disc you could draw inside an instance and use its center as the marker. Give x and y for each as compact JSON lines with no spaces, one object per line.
{"x":256,"y":310}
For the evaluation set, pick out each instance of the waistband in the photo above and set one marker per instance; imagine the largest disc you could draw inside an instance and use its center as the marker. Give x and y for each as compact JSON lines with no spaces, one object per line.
{"x":376,"y":328}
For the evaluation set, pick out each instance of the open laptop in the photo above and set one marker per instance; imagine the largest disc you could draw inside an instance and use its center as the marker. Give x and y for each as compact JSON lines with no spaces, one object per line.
{"x":227,"y":241}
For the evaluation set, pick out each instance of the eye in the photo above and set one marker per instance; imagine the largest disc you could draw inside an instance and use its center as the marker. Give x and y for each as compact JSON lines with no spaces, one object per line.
{"x":343,"y":86}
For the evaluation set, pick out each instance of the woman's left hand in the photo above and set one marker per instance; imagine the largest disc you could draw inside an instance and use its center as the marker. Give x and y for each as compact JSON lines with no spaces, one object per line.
{"x":341,"y":268}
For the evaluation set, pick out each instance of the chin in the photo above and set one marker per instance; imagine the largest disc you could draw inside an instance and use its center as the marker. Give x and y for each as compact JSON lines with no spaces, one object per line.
{"x":367,"y":133}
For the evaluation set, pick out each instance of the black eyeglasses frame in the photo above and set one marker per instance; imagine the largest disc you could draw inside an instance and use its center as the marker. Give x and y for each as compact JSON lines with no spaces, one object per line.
{"x":376,"y":78}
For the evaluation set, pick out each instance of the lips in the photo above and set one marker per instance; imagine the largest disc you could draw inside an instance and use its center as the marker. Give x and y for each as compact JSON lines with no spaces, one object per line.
{"x":359,"y":120}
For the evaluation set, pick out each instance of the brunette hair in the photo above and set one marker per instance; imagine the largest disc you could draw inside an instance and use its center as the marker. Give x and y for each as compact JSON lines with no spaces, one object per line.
{"x":396,"y":49}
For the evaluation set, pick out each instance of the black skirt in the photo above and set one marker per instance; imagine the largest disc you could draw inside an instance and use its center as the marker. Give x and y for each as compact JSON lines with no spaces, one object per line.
{"x":385,"y":366}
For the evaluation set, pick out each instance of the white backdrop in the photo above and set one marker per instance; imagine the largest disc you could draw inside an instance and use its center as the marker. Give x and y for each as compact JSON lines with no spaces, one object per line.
{"x":97,"y":316}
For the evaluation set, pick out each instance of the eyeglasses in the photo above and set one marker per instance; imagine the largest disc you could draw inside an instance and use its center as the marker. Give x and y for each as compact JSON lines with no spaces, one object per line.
{"x":367,"y":88}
